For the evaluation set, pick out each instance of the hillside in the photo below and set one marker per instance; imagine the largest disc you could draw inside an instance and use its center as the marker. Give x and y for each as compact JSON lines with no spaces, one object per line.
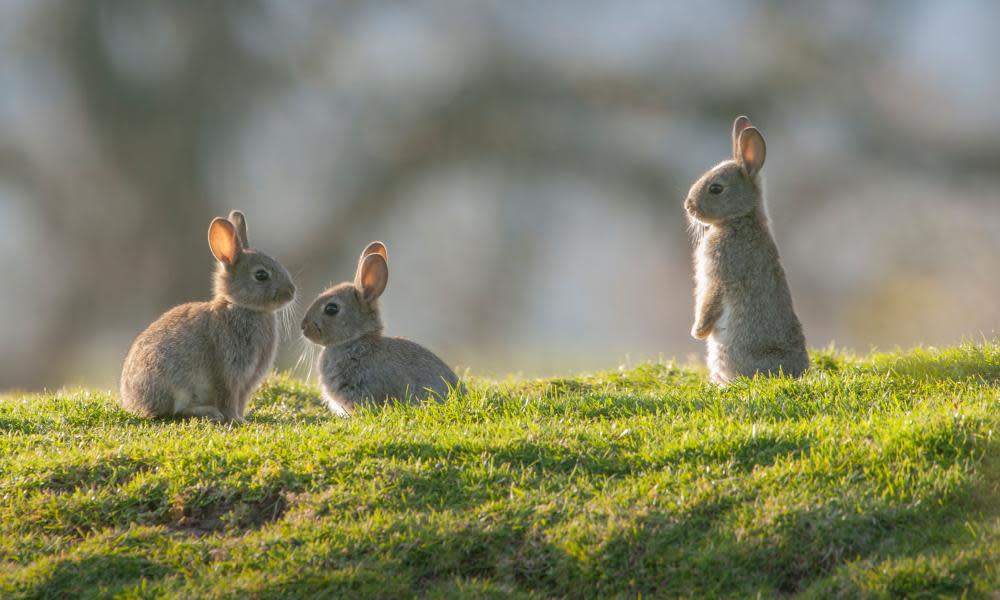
{"x":875,"y":476}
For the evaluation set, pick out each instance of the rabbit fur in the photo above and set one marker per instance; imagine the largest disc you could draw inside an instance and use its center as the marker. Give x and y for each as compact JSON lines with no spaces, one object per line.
{"x":743,"y":306}
{"x":359,"y":365}
{"x":205,"y":359}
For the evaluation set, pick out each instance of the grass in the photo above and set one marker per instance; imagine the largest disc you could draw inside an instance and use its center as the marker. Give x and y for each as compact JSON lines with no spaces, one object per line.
{"x":869,"y":477}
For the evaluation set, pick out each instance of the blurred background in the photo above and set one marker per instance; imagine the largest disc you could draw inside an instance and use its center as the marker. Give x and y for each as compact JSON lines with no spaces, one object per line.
{"x":524,"y":161}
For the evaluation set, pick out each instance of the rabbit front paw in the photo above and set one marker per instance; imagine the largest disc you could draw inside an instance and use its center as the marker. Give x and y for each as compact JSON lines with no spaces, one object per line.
{"x":700,"y":331}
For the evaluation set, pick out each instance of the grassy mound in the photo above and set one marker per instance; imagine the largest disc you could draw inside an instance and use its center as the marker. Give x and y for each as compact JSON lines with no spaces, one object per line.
{"x":868,"y":477}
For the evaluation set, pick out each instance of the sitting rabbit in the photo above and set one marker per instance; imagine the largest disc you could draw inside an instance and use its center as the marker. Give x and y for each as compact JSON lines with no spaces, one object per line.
{"x":205,"y":359}
{"x":358,"y":364}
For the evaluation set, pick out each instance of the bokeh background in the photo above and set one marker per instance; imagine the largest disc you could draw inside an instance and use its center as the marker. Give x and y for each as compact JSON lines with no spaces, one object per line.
{"x":525,"y":162}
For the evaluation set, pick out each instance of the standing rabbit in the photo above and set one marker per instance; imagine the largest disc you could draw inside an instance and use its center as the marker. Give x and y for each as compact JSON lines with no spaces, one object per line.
{"x":742,"y":303}
{"x":205,"y":359}
{"x":358,"y":364}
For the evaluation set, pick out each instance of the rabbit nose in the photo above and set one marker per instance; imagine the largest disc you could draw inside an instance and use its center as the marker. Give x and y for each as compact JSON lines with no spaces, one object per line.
{"x":309,"y":328}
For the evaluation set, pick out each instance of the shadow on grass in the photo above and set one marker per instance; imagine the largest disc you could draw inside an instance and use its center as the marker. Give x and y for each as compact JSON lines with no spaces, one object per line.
{"x":197,"y":511}
{"x":21,"y":426}
{"x":410,"y":476}
{"x":700,"y":553}
{"x":108,"y":471}
{"x":91,"y":576}
{"x":47,"y":420}
{"x":712,"y":549}
{"x":503,"y":548}
{"x":428,"y":476}
{"x":516,"y":555}
{"x":705,"y":551}
{"x":759,"y":451}
{"x":805,"y":547}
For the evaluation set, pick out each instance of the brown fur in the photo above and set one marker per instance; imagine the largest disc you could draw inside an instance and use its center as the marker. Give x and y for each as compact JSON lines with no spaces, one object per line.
{"x":205,"y":359}
{"x":358,"y":364}
{"x":743,"y":306}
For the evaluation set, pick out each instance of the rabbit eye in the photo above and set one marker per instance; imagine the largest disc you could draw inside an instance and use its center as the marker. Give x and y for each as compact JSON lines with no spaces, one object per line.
{"x":715,"y":188}
{"x":331,"y":309}
{"x":261,"y":275}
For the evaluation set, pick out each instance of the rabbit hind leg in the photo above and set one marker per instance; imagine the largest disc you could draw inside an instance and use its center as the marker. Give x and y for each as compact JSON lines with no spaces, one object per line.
{"x":190,"y":401}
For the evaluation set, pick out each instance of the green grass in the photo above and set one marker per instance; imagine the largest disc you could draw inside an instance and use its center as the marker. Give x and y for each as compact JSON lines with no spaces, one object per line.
{"x":870,"y":477}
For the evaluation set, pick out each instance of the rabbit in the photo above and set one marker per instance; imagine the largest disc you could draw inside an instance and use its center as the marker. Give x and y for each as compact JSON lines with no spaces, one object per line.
{"x":205,"y":359}
{"x":742,"y":303}
{"x":358,"y":365}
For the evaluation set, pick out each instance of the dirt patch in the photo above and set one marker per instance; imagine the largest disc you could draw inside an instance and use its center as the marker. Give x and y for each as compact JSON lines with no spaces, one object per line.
{"x":228,"y":511}
{"x":108,"y":471}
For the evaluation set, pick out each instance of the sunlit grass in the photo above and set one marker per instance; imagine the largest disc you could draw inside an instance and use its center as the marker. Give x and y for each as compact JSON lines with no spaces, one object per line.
{"x":875,"y":476}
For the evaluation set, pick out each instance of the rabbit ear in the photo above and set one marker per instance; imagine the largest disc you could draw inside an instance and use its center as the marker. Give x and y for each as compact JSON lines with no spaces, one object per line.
{"x":739,"y":125}
{"x":223,"y":241}
{"x":751,"y":151}
{"x":375,"y":247}
{"x":372,"y":277}
{"x":240,"y":222}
